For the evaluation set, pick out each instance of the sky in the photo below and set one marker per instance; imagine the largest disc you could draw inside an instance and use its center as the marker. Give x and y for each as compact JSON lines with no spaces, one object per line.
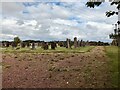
{"x":55,"y":21}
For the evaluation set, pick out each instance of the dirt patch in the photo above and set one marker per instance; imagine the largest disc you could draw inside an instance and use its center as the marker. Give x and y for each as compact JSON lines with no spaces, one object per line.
{"x":32,"y":70}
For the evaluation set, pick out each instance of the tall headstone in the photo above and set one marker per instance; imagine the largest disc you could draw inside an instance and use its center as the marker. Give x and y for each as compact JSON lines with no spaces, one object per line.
{"x":68,"y":43}
{"x":75,"y":42}
{"x":81,"y":43}
{"x":33,"y":45}
{"x":78,"y":43}
{"x":87,"y":43}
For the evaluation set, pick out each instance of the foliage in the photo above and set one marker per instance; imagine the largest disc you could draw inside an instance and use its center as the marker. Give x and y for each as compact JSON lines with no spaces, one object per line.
{"x":17,"y":40}
{"x":108,"y":13}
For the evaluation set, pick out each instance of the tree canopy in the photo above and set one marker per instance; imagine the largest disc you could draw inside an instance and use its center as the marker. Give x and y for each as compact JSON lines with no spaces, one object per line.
{"x":108,"y":13}
{"x":17,"y":40}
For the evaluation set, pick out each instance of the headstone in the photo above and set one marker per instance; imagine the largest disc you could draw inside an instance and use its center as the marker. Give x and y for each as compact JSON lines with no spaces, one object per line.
{"x":39,"y":44}
{"x":78,"y":43}
{"x":14,"y":44}
{"x":68,"y":43}
{"x":28,"y":44}
{"x":3,"y":44}
{"x":87,"y":43}
{"x":36,"y":45}
{"x":75,"y":42}
{"x":81,"y":43}
{"x":45,"y":46}
{"x":33,"y":45}
{"x":53,"y":45}
{"x":7,"y":44}
{"x":61,"y":44}
{"x":22,"y":44}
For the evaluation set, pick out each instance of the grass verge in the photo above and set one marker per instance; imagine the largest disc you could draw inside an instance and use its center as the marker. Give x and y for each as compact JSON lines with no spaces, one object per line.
{"x":112,"y":53}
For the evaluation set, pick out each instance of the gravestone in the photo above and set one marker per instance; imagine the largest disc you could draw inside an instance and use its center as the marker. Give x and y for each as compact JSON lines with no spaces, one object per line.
{"x":28,"y":44}
{"x":3,"y":44}
{"x":81,"y":43}
{"x":33,"y":45}
{"x":75,"y":42}
{"x":36,"y":45}
{"x":45,"y":46}
{"x":53,"y":45}
{"x":87,"y":43}
{"x":14,"y":44}
{"x":68,"y":43}
{"x":22,"y":44}
{"x":78,"y":43}
{"x":39,"y":44}
{"x":7,"y":44}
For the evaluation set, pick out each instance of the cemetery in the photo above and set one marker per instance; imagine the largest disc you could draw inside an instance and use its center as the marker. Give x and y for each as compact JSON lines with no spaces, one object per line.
{"x":60,"y":45}
{"x":58,"y":64}
{"x":67,"y":46}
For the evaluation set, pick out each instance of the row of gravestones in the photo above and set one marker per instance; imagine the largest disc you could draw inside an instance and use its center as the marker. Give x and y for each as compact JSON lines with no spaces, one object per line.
{"x":76,"y":43}
{"x":33,"y":45}
{"x":45,"y":45}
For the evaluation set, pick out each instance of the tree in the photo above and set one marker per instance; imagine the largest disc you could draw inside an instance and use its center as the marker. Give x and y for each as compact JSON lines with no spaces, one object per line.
{"x":108,"y":14}
{"x":17,"y":40}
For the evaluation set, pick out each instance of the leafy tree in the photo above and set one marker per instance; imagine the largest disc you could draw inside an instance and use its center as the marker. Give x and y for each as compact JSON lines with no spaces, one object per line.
{"x":17,"y":40}
{"x":108,"y":14}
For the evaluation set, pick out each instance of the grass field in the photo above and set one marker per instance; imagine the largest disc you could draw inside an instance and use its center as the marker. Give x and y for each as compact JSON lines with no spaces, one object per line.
{"x":40,"y":50}
{"x":112,"y":53}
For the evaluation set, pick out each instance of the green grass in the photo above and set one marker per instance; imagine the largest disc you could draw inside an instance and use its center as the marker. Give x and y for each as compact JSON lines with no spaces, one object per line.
{"x":40,"y":50}
{"x":112,"y":53}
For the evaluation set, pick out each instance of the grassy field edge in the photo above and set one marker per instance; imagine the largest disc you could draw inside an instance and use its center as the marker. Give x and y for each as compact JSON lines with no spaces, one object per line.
{"x":58,"y":50}
{"x":112,"y":53}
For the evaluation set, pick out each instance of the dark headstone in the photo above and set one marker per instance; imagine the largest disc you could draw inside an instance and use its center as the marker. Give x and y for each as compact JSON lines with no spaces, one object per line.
{"x":28,"y":44}
{"x":81,"y":43}
{"x":14,"y":44}
{"x":53,"y":45}
{"x":23,"y":44}
{"x":33,"y":45}
{"x":45,"y":46}
{"x":7,"y":44}
{"x":75,"y":42}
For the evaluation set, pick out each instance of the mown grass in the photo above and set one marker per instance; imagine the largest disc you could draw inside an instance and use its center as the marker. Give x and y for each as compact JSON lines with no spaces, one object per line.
{"x":40,"y":50}
{"x":112,"y":53}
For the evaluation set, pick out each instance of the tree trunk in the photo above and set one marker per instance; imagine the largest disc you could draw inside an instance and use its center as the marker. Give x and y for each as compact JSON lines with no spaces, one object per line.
{"x":119,"y":27}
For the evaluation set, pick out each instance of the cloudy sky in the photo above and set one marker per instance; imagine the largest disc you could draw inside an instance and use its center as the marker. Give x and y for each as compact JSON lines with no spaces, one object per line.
{"x":55,"y":21}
